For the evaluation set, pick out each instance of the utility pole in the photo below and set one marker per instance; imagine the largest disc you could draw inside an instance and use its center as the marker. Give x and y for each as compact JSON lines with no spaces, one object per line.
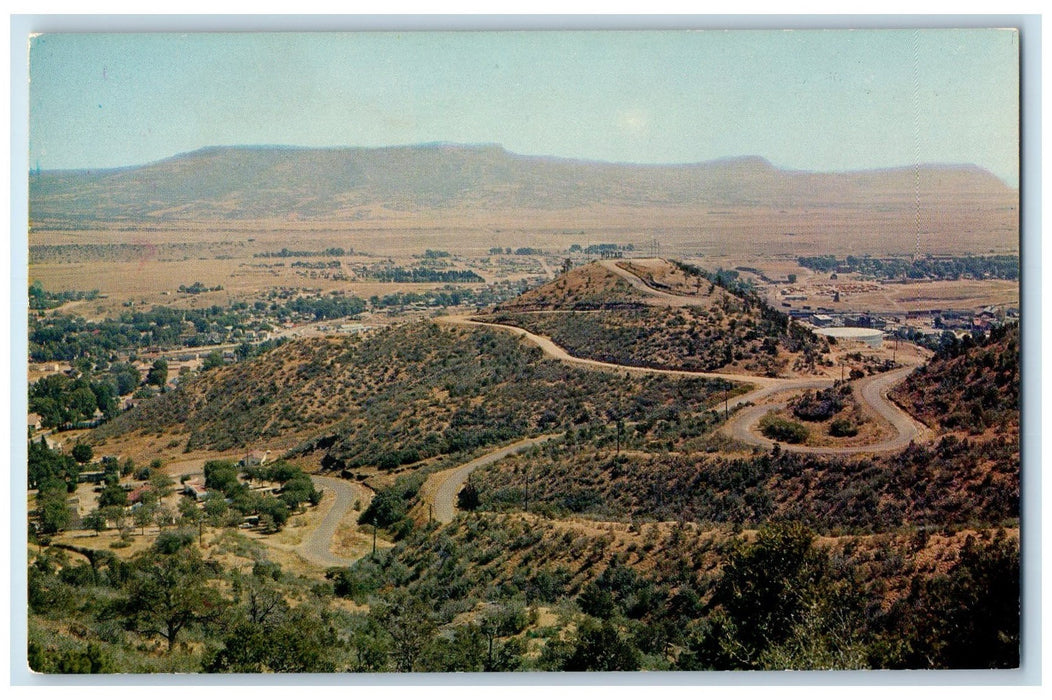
{"x":526,"y":494}
{"x":374,"y":540}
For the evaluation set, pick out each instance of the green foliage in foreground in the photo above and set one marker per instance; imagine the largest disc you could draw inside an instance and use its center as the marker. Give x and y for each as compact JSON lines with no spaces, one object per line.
{"x":467,"y":598}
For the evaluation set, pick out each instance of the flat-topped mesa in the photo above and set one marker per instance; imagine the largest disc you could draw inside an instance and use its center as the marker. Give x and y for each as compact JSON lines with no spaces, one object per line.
{"x":332,"y":184}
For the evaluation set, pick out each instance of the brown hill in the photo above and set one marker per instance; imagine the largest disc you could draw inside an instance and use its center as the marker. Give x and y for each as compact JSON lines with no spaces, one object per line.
{"x":971,"y":385}
{"x":253,"y":183}
{"x":404,"y":394}
{"x":709,"y":323}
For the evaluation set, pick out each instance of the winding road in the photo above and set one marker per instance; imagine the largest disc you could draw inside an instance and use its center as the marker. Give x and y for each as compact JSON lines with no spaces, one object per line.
{"x":440,"y":489}
{"x":655,"y":297}
{"x":439,"y":492}
{"x":316,"y":547}
{"x":871,"y":390}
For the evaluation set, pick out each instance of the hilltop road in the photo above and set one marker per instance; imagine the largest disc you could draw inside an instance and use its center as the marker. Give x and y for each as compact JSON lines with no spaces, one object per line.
{"x":655,"y":297}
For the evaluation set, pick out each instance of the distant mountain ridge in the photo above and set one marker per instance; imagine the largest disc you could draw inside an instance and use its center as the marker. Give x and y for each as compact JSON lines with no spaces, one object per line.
{"x":261,"y":182}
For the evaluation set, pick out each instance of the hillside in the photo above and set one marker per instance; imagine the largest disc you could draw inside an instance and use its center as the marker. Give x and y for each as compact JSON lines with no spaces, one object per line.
{"x":718,"y":325}
{"x":970,"y":386}
{"x":405,"y":394}
{"x":256,"y":182}
{"x":970,"y":475}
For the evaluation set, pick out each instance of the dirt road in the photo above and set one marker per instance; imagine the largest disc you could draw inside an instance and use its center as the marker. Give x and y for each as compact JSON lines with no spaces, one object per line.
{"x":655,"y":297}
{"x":316,"y":547}
{"x":873,"y":395}
{"x":440,"y":489}
{"x":556,"y":352}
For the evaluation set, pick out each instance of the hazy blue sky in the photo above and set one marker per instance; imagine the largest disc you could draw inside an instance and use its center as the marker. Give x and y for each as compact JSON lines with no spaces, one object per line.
{"x":815,"y":100}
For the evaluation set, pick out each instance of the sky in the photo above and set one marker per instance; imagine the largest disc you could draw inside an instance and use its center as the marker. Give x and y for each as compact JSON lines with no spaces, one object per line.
{"x":821,"y":100}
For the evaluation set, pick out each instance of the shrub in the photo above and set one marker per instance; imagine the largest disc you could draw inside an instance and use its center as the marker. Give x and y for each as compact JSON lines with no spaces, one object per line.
{"x":783,"y":430}
{"x":817,"y":406}
{"x":842,"y":427}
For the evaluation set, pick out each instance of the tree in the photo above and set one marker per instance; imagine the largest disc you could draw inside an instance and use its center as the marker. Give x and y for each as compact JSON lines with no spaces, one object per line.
{"x":158,"y":374}
{"x":165,"y":593}
{"x":386,"y":508}
{"x":468,"y":498}
{"x":126,"y":376}
{"x":407,"y":620}
{"x":298,"y":640}
{"x":161,"y":483}
{"x":762,"y":591}
{"x":968,"y":618}
{"x":212,"y":360}
{"x":53,"y":506}
{"x":221,"y":475}
{"x":143,"y":516}
{"x":215,"y":508}
{"x":82,"y":452}
{"x":45,"y":464}
{"x":117,"y":515}
{"x":113,"y":495}
{"x":82,"y":404}
{"x":601,"y":647}
{"x":95,"y":520}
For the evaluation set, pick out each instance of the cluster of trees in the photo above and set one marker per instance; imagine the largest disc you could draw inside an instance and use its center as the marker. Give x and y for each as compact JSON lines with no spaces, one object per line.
{"x":781,"y":602}
{"x":165,"y":595}
{"x":328,"y":307}
{"x":199,"y":288}
{"x":400,"y":395}
{"x":392,"y":433}
{"x":442,"y":298}
{"x":820,"y":405}
{"x":518,"y":251}
{"x":41,"y":300}
{"x":286,"y":253}
{"x":955,"y":483}
{"x":783,"y":430}
{"x":61,"y":400}
{"x":776,"y":601}
{"x":330,"y":265}
{"x":47,"y":464}
{"x":61,"y":337}
{"x":273,"y":510}
{"x":423,"y":274}
{"x":1004,"y":267}
{"x":465,"y":598}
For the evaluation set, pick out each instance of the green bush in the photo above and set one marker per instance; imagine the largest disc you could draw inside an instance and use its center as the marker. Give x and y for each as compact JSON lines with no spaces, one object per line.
{"x":842,"y":427}
{"x":783,"y":430}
